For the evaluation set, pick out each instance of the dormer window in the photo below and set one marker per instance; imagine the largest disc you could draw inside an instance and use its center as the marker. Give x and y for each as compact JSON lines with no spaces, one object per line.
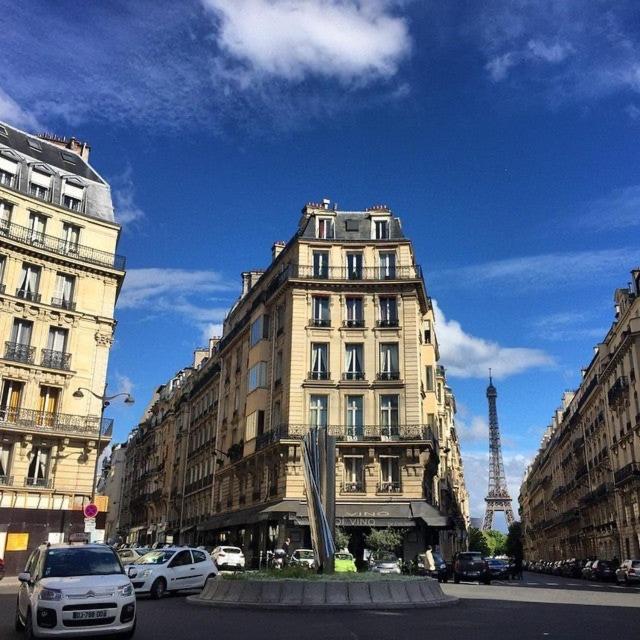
{"x":40,"y":184}
{"x":34,"y":145}
{"x":72,"y":195}
{"x":8,"y":171}
{"x":324,"y":228}
{"x":380,"y":228}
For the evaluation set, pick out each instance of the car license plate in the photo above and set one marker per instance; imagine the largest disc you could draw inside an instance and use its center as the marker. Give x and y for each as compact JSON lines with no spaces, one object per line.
{"x":89,"y":615}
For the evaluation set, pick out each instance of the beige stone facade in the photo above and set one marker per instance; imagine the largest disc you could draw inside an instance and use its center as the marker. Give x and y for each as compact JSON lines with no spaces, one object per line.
{"x":338,"y":331}
{"x":59,"y":282}
{"x":581,"y":495}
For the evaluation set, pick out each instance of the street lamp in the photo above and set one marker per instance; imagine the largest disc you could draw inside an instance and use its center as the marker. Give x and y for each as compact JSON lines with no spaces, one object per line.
{"x":105,"y":401}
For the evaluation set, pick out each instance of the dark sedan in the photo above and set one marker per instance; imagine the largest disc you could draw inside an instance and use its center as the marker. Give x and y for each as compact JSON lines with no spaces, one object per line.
{"x":604,"y":570}
{"x":469,"y":565}
{"x":499,"y":569}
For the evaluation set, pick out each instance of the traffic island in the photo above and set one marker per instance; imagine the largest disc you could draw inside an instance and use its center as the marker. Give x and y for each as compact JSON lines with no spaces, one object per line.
{"x":359,"y":591}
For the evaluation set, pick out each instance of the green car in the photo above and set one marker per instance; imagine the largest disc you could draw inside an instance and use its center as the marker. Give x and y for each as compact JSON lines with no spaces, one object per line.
{"x":344,"y":562}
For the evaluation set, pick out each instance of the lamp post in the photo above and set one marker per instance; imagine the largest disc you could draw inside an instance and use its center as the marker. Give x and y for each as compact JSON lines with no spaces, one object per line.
{"x":105,"y":401}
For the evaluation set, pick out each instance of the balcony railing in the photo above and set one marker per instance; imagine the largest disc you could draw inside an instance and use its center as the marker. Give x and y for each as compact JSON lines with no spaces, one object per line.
{"x":388,"y":375}
{"x":353,"y":324}
{"x":410,"y":272}
{"x":28,"y":295}
{"x":353,"y":487}
{"x":628,"y":472}
{"x":41,"y":483}
{"x":63,"y":423}
{"x":320,"y":322}
{"x":387,"y":323}
{"x":61,"y":246}
{"x":319,"y":375}
{"x":353,"y":375}
{"x":618,"y":392}
{"x":19,"y":352}
{"x":349,"y":433}
{"x":63,"y":304}
{"x":388,"y":487}
{"x":6,"y":481}
{"x":56,"y":359}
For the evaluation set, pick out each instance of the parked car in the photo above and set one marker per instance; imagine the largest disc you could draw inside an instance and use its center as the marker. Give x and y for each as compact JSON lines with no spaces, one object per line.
{"x":499,"y":569}
{"x":70,"y":590}
{"x":344,"y":562}
{"x":127,"y":556}
{"x":469,"y":565}
{"x":172,"y":569}
{"x":573,"y":568}
{"x":604,"y":570}
{"x":441,"y":572}
{"x":228,"y":558}
{"x":303,"y":558}
{"x":628,"y":572}
{"x":385,"y":563}
{"x":586,"y":570}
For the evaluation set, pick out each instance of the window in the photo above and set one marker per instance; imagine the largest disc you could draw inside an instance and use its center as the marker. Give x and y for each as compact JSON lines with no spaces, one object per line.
{"x":5,"y":453}
{"x":55,"y":355}
{"x":355,"y":417}
{"x":8,"y":171}
{"x":318,"y":411}
{"x":387,"y":265}
{"x":65,"y":285}
{"x":68,"y":157}
{"x":34,"y":144}
{"x":72,"y":195}
{"x":354,"y":266}
{"x":276,"y":417}
{"x":320,"y":310}
{"x":37,"y":226}
{"x":353,"y":474}
{"x":260,"y":422}
{"x":389,"y":366}
{"x":427,"y":332}
{"x":354,"y":364}
{"x":389,"y":474}
{"x":280,"y":318}
{"x":198,"y":556}
{"x":388,"y":312}
{"x":321,"y":264}
{"x":40,"y":184}
{"x":355,"y":312}
{"x":38,"y":472}
{"x":389,"y":415}
{"x":352,"y":224}
{"x":324,"y":228}
{"x":71,"y":237}
{"x":181,"y":559}
{"x":5,"y":216}
{"x":319,"y":361}
{"x":21,"y":332}
{"x":380,"y":229}
{"x":259,"y":329}
{"x":257,"y":377}
{"x":11,"y":400}
{"x":48,"y":405}
{"x":429,"y":377}
{"x":29,"y":281}
{"x":277,"y":368}
{"x":3,"y":260}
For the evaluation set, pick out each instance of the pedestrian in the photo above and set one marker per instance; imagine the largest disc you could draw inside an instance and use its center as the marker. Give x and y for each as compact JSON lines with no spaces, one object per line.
{"x":429,"y":562}
{"x":286,"y":544}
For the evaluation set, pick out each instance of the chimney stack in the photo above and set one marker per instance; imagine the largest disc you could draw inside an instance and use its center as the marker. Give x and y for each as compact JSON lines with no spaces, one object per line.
{"x":277,"y":248}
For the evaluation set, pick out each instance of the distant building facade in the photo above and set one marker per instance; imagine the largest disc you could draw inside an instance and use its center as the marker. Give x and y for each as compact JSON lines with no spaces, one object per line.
{"x":581,"y":495}
{"x":59,"y":281}
{"x":111,"y":485}
{"x":337,"y":332}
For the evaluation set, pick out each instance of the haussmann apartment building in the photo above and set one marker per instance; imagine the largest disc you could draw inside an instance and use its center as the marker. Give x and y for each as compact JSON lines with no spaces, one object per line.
{"x":338,"y":331}
{"x":59,"y":280}
{"x":581,"y":495}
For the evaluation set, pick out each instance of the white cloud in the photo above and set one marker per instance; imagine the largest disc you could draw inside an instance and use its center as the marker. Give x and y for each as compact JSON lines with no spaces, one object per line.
{"x":542,"y":271}
{"x":567,"y":325}
{"x":555,"y":52}
{"x":468,"y":356}
{"x":12,"y":113}
{"x":498,"y":67}
{"x":349,"y":40}
{"x":126,"y":210}
{"x":617,"y":210}
{"x":124,"y":384}
{"x":471,"y":428}
{"x":633,"y":111}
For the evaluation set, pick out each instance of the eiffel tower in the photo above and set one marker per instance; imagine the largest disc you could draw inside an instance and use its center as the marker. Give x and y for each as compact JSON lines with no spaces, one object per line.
{"x":498,"y":498}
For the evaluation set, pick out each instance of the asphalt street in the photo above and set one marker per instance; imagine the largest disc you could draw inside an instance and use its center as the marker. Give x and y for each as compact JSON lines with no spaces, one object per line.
{"x":538,"y":607}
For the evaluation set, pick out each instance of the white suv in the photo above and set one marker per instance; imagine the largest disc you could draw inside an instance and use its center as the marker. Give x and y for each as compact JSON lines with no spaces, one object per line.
{"x":72,"y":590}
{"x":228,"y":557}
{"x":171,"y":569}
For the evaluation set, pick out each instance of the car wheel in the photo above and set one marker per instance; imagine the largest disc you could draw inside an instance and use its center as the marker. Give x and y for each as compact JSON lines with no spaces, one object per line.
{"x":445,"y":580}
{"x":158,"y":588}
{"x":486,"y":581}
{"x":28,"y":626}
{"x":18,"y":624}
{"x":456,"y":579}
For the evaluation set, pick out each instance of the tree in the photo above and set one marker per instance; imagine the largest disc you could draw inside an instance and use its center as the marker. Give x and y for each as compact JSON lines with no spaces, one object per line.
{"x":380,"y":540}
{"x":477,"y":541}
{"x":514,"y":540}
{"x":342,"y":539}
{"x":496,"y":541}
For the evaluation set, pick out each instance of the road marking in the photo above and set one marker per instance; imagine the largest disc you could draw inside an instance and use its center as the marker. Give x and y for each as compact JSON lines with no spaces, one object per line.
{"x":552,"y":584}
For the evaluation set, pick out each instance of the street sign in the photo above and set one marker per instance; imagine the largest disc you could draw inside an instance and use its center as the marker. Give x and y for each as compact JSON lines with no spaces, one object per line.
{"x":89,"y":525}
{"x":90,"y":510}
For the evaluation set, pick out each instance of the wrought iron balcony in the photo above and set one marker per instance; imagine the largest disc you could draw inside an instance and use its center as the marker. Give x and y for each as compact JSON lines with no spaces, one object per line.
{"x":28,"y":295}
{"x":19,"y":352}
{"x":627,"y":473}
{"x":353,"y":487}
{"x":6,"y":481}
{"x":618,"y":392}
{"x":388,"y":487}
{"x":387,"y":323}
{"x":353,"y":375}
{"x":353,"y":324}
{"x":320,"y":322}
{"x":41,"y":483}
{"x":63,"y":304}
{"x":409,"y":272}
{"x":25,"y":235}
{"x":56,"y":359}
{"x":319,"y":375}
{"x":62,"y":423}
{"x":388,"y":375}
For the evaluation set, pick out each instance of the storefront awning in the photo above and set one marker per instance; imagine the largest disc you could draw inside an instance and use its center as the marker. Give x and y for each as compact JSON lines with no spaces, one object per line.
{"x":429,"y":514}
{"x":366,"y":514}
{"x":260,"y":513}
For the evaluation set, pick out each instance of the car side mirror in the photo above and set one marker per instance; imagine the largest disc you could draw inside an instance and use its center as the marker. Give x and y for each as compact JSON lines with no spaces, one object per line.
{"x":25,"y":576}
{"x":132,"y":572}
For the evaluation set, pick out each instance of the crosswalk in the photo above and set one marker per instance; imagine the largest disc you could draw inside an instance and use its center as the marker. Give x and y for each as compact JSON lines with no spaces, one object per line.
{"x":532,"y":582}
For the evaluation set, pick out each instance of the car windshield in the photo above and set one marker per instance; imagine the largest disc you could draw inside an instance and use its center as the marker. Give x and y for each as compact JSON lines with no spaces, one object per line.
{"x":84,"y":561}
{"x":387,"y":557}
{"x":344,"y":556}
{"x":305,"y":554}
{"x":155,"y":557}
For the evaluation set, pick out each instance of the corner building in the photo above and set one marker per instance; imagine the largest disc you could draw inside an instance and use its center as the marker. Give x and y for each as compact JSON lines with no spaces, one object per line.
{"x":59,"y":281}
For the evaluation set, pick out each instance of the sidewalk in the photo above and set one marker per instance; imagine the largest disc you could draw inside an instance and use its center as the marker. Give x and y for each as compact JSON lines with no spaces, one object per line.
{"x":9,"y":584}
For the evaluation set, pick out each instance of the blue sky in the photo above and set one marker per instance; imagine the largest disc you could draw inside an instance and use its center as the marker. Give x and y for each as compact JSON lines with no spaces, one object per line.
{"x":504,"y":134}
